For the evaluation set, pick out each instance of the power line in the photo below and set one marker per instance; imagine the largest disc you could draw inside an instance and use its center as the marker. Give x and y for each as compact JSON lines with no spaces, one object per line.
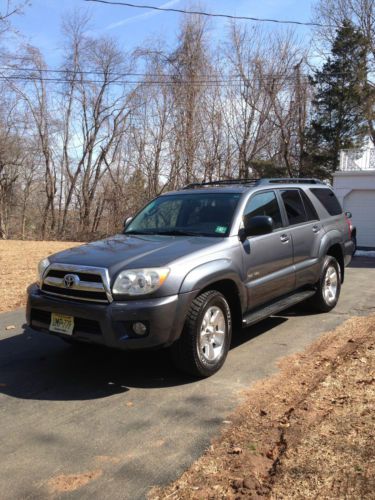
{"x":210,"y":78}
{"x":214,"y":83}
{"x":203,"y":78}
{"x":208,"y":14}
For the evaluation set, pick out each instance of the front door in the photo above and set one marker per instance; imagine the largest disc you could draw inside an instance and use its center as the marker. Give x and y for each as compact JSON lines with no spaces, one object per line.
{"x":267,"y":259}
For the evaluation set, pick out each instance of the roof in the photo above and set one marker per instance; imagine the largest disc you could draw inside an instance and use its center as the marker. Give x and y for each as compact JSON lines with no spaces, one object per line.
{"x":244,"y":185}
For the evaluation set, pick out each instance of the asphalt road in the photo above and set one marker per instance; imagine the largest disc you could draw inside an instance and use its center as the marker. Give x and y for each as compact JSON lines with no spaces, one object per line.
{"x":124,"y":422}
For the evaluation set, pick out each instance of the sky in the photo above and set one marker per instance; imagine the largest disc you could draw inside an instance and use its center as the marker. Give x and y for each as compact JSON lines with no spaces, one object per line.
{"x":41,"y":22}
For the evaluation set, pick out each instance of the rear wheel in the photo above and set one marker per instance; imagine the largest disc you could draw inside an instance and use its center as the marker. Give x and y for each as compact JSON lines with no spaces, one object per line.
{"x":328,"y":287}
{"x":205,"y":340}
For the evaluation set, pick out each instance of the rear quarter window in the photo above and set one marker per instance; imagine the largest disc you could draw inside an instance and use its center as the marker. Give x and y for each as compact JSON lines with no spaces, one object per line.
{"x":328,"y":199}
{"x":309,"y":207}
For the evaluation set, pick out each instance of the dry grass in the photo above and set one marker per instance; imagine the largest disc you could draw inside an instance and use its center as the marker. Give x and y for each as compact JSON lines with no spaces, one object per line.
{"x":307,"y":432}
{"x":18,"y":263}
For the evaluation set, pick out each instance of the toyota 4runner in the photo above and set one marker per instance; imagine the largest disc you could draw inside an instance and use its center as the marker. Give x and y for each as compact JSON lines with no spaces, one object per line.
{"x":194,"y":263}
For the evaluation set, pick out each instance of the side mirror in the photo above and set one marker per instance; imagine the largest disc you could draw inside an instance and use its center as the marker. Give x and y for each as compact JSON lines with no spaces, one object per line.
{"x":127,"y":222}
{"x":349,"y":215}
{"x":257,"y":225}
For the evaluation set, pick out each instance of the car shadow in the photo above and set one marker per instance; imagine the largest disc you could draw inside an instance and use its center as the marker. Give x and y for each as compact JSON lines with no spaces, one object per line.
{"x":297,"y":311}
{"x":362,"y":262}
{"x":38,"y":366}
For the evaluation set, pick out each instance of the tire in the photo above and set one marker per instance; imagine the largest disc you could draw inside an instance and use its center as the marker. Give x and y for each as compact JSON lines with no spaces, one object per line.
{"x":328,"y":286}
{"x":200,"y":351}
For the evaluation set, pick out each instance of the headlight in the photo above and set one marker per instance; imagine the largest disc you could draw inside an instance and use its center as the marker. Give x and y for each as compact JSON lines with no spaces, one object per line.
{"x":139,"y":281}
{"x":42,"y":266}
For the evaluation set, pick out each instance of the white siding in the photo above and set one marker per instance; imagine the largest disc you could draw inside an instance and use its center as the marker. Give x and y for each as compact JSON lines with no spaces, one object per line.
{"x":356,"y":192}
{"x":362,"y":205}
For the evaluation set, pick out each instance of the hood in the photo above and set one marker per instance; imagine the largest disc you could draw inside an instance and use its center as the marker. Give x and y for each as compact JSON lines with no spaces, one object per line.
{"x":133,"y":251}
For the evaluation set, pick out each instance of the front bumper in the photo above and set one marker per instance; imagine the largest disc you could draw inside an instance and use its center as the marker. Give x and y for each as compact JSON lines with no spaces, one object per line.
{"x":111,"y":324}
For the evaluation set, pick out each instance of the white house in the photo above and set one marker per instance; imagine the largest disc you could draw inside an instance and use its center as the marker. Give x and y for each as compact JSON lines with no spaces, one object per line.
{"x":354,"y":185}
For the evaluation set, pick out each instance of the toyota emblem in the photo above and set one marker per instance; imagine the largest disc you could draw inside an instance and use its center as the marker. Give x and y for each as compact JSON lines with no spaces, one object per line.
{"x":70,"y":280}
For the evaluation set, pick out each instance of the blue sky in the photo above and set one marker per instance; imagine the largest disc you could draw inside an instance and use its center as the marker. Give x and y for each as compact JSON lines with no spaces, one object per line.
{"x":40,"y":24}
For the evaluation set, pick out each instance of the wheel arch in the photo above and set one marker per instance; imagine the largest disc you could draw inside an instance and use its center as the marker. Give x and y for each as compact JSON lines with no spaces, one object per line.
{"x":335,"y":251}
{"x":331,"y":244}
{"x":229,"y":289}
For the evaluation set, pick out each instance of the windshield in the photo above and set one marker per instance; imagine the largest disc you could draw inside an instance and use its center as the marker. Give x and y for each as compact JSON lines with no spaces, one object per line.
{"x":202,"y":214}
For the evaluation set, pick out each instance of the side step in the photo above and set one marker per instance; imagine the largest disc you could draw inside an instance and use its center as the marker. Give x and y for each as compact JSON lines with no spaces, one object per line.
{"x":275,"y":307}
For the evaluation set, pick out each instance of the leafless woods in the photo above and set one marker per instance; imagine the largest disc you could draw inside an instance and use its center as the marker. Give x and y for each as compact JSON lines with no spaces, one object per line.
{"x":84,"y":145}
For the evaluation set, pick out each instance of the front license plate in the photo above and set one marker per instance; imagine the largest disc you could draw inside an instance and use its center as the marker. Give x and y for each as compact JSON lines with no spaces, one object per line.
{"x":60,"y":323}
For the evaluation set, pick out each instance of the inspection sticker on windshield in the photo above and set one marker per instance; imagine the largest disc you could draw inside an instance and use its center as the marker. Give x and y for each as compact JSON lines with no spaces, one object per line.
{"x":221,"y":229}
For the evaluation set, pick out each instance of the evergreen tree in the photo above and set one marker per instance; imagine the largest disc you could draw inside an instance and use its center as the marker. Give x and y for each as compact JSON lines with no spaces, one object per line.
{"x":338,"y":120}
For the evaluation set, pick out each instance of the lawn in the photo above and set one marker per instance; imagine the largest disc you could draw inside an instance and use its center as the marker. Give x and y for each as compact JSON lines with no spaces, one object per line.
{"x":18,"y":268}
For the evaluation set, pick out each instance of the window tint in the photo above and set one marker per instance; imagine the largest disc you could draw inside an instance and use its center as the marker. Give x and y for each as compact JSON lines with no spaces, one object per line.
{"x":264,"y":204}
{"x":328,"y":200}
{"x":295,"y":210}
{"x":309,"y":207}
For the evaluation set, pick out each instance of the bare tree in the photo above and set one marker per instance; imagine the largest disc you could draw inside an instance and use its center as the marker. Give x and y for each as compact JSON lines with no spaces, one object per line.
{"x":190,"y":65}
{"x":8,"y":10}
{"x":13,"y":156}
{"x":289,"y":92}
{"x":248,"y":104}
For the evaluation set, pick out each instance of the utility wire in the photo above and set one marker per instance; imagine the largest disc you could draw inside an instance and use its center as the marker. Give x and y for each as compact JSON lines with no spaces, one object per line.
{"x":202,"y":78}
{"x":208,"y":14}
{"x":135,"y":82}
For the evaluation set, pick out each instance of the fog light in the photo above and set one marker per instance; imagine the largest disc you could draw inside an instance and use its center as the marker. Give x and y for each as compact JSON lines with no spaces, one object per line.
{"x":139,"y":328}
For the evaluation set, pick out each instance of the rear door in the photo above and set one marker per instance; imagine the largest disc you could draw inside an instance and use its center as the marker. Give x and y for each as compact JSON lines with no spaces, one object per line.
{"x":306,"y":232}
{"x":267,"y":259}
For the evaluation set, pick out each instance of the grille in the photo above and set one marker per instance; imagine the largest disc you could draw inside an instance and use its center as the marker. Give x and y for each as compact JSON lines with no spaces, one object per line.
{"x":92,"y":278}
{"x":90,"y":284}
{"x":75,"y":294}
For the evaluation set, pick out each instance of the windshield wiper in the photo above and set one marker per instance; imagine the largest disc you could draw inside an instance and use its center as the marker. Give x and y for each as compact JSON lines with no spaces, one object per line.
{"x":140,"y":232}
{"x":171,"y":232}
{"x":180,"y":232}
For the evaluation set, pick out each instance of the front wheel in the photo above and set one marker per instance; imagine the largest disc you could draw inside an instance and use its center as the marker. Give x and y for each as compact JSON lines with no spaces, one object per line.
{"x":205,"y":340}
{"x":328,"y":287}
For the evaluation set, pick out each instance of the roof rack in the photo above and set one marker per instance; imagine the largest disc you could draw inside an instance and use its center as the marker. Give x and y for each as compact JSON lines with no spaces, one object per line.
{"x":255,"y":182}
{"x":227,"y":182}
{"x":290,"y":180}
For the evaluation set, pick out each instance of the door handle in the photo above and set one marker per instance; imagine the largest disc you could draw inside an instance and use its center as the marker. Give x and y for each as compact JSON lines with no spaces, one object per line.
{"x":316,"y":228}
{"x":284,"y":238}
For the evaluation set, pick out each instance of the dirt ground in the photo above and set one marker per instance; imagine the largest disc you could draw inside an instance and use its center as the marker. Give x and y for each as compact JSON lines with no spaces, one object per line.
{"x":18,"y":268}
{"x":307,"y":432}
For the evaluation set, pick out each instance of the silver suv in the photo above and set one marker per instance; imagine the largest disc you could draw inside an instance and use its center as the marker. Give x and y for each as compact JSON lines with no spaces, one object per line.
{"x":192,"y":264}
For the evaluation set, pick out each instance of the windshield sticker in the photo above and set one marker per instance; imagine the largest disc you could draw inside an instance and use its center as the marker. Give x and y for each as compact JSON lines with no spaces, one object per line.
{"x":221,"y":229}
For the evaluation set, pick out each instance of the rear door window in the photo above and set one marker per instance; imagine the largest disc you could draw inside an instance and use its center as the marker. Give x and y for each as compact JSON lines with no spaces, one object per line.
{"x":294,"y":206}
{"x":328,"y":199}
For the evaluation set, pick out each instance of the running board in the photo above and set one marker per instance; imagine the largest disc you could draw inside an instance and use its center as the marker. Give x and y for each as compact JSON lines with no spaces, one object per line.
{"x":275,"y":307}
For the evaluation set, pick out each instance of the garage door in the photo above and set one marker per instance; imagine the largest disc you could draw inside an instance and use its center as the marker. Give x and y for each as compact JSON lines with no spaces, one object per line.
{"x":362,"y":205}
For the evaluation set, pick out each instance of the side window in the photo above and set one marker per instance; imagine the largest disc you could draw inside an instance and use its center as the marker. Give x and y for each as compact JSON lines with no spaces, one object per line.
{"x":264,"y":204}
{"x":309,"y":207}
{"x":295,"y":210}
{"x":328,"y":199}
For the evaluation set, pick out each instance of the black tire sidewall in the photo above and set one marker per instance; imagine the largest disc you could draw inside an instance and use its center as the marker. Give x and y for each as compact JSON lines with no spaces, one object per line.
{"x":218,"y":300}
